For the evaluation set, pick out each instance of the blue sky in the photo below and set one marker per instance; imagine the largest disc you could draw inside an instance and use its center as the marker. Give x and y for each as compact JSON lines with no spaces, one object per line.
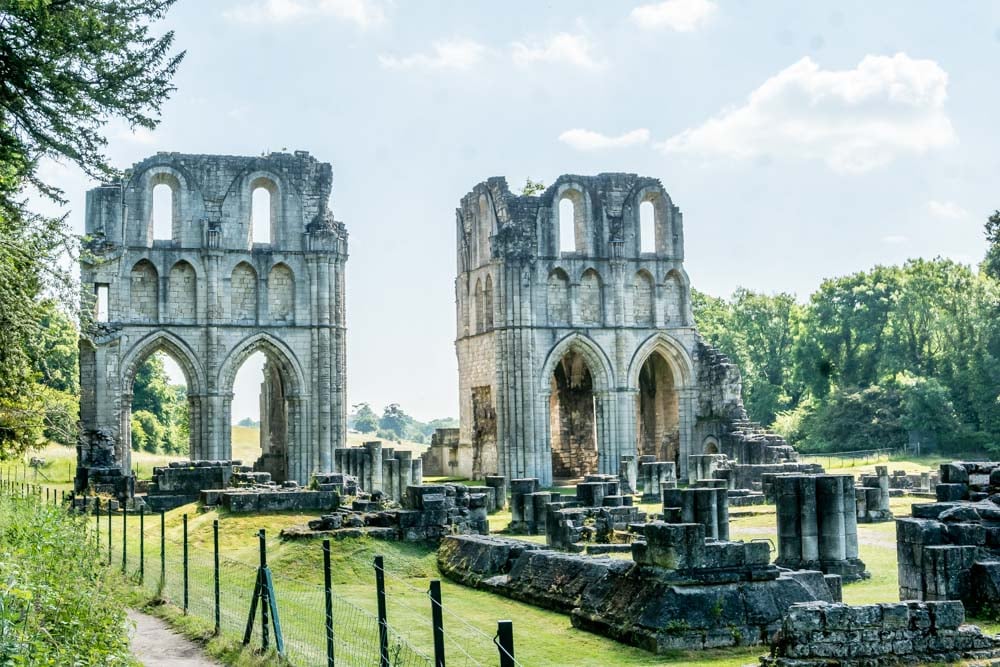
{"x":801,"y":140}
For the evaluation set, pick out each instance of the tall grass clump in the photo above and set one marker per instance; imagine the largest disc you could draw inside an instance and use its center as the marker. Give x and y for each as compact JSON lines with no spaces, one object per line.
{"x":59,"y":604}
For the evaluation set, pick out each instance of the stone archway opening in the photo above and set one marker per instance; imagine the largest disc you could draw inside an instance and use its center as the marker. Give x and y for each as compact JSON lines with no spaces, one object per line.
{"x":573,"y":416}
{"x":160,"y":408}
{"x":259,"y":415}
{"x":658,"y":411}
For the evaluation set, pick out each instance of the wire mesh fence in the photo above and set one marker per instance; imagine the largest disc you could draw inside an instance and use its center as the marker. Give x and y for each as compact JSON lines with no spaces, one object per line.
{"x":409,"y":628}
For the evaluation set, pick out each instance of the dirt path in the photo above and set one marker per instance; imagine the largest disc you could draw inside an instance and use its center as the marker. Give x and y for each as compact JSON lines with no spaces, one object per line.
{"x":155,"y":644}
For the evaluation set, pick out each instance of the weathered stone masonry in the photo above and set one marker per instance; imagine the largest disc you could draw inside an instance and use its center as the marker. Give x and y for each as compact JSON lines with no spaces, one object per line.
{"x":587,"y":353}
{"x":210,"y":297}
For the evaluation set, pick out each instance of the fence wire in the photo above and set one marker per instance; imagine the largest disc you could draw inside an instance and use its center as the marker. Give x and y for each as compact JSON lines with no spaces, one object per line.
{"x":301,"y":604}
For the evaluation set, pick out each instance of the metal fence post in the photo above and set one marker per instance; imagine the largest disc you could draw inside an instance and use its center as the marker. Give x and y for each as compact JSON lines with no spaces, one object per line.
{"x":97,"y":517}
{"x":185,"y":564}
{"x":218,"y":598}
{"x":110,"y":559}
{"x":124,"y":540}
{"x":163,"y":551}
{"x":265,"y":598}
{"x":328,"y":595}
{"x":437,"y":622}
{"x":383,"y":621}
{"x":142,"y":544}
{"x":505,"y":643}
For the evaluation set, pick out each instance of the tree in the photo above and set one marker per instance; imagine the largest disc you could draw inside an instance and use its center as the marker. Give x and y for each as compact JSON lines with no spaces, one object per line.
{"x":66,"y":70}
{"x":395,"y":420}
{"x":365,"y":419}
{"x":991,"y":265}
{"x":532,"y":187}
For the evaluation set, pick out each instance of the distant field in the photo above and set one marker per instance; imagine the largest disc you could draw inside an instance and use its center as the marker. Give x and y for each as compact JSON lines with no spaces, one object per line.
{"x":60,"y":461}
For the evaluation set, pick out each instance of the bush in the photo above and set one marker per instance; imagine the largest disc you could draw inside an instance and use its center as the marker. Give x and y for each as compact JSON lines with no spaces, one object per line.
{"x":57,"y":603}
{"x":153,"y":432}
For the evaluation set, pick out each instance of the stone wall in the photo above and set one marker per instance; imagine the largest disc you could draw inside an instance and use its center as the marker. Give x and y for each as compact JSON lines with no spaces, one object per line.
{"x":950,"y":550}
{"x":819,"y":634}
{"x":209,"y":297}
{"x":651,"y":385}
{"x":681,"y":592}
{"x":447,"y":456}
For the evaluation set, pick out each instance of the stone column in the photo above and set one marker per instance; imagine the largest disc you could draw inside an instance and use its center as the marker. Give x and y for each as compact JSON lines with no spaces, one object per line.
{"x":830,"y":502}
{"x":808,"y":522}
{"x":375,"y":478}
{"x":850,"y":518}
{"x":788,"y":500}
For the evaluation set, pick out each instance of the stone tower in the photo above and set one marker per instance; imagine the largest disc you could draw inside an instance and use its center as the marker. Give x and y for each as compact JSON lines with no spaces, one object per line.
{"x":209,"y":297}
{"x":576,"y":342}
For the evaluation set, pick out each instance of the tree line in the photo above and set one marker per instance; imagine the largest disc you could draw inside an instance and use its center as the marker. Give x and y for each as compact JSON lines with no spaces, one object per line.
{"x":889,"y":357}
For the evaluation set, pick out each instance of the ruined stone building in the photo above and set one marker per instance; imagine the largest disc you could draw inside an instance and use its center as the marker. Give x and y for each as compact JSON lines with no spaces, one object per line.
{"x":209,"y":293}
{"x":575,"y":339}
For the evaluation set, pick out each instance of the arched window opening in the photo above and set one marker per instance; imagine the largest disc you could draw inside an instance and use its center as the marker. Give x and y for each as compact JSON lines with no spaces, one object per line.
{"x":259,"y":415}
{"x":479,"y":306}
{"x":673,"y":294}
{"x":260,"y":214}
{"x":163,"y":212}
{"x":281,"y":294}
{"x":488,"y":303}
{"x":485,"y":229}
{"x":659,"y":411}
{"x":567,"y":225}
{"x":160,"y":419}
{"x":591,"y":306}
{"x":102,"y":307}
{"x":144,"y":294}
{"x":647,"y":227}
{"x":182,"y":301}
{"x":558,"y":297}
{"x":642,"y":299}
{"x":243,"y":293}
{"x":572,"y":418}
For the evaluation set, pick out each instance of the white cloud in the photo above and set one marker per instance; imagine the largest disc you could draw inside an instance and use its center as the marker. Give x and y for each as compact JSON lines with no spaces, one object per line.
{"x":854,"y":120}
{"x":460,"y":54}
{"x":363,"y":13}
{"x":586,"y":140}
{"x":946,"y":209}
{"x":895,"y":239}
{"x":562,"y":48}
{"x":139,"y":135}
{"x":679,"y":15}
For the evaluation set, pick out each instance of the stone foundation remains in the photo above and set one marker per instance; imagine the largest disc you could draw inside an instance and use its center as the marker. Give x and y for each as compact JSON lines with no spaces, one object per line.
{"x":680,"y":591}
{"x":706,"y":506}
{"x":873,"y":497}
{"x":379,"y":468}
{"x":447,"y":457}
{"x":950,"y":550}
{"x":653,"y":475}
{"x":430,"y":512}
{"x":181,"y":482}
{"x":817,"y":524}
{"x":819,"y":634}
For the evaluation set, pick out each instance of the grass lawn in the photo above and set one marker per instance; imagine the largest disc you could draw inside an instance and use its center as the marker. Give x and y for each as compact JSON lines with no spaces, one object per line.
{"x":541,"y":637}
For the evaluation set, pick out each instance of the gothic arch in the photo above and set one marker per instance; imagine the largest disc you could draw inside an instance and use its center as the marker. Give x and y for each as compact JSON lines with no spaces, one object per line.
{"x":275,"y":350}
{"x":673,"y":353}
{"x":597,"y":361}
{"x":178,"y":350}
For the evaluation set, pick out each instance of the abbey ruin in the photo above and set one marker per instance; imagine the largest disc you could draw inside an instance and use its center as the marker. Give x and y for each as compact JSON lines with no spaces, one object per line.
{"x":209,"y":296}
{"x":576,"y":342}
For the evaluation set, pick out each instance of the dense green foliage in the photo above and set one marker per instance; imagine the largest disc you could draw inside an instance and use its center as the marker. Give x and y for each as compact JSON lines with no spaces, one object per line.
{"x":395,"y":423}
{"x":58,"y":605}
{"x":66,"y":70}
{"x":159,"y":410}
{"x":875,"y":359}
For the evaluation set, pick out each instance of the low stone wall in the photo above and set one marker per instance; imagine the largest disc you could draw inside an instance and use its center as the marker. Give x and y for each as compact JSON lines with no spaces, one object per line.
{"x":181,"y":482}
{"x":682,"y":592}
{"x":241,"y":501}
{"x":707,"y":506}
{"x":951,"y":550}
{"x":432,"y":511}
{"x":821,"y":634}
{"x":579,"y":528}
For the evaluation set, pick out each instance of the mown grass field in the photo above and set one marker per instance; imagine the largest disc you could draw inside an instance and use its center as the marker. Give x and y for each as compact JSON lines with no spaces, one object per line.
{"x":542,"y":637}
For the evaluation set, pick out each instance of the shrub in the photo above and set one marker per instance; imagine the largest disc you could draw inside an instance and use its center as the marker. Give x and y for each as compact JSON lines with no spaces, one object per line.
{"x":58,"y":604}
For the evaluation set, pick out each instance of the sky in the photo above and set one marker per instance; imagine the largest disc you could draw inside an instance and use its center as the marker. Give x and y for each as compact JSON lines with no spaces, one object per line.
{"x":802,"y":141}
